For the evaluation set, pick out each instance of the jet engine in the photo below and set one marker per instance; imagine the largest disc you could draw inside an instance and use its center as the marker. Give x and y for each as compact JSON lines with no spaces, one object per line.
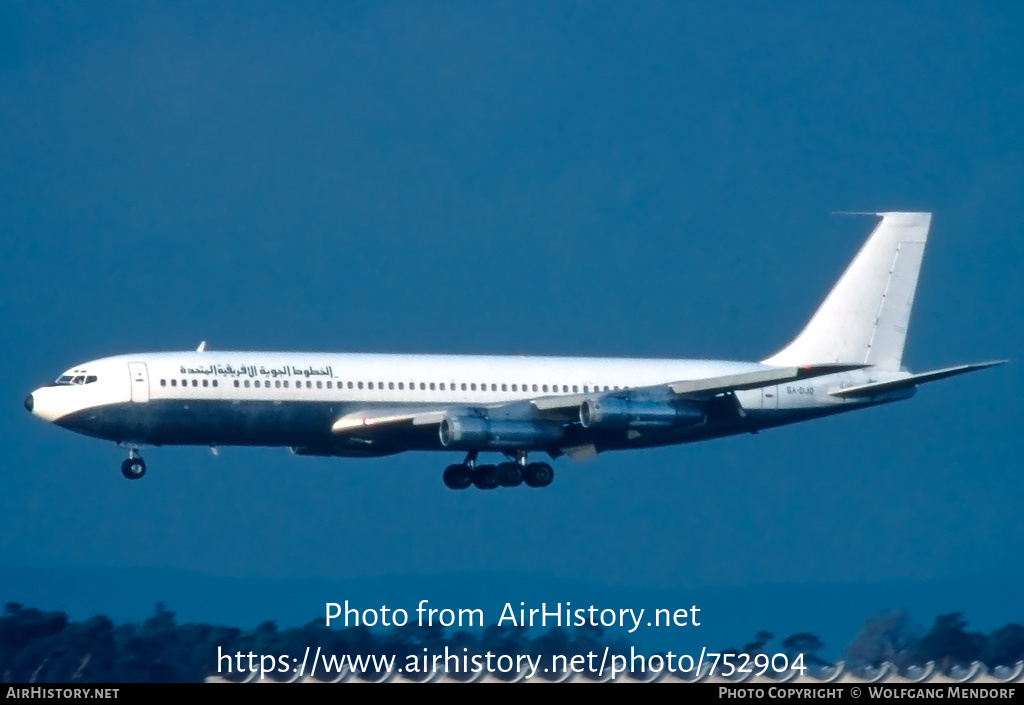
{"x":478,"y":432}
{"x":632,"y":411}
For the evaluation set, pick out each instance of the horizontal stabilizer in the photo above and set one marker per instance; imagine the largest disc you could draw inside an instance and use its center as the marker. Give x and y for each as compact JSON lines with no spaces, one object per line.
{"x":876,"y":388}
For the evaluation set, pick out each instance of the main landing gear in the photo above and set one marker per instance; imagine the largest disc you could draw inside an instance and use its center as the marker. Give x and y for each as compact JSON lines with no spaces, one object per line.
{"x":135,"y":466}
{"x":489,"y":477}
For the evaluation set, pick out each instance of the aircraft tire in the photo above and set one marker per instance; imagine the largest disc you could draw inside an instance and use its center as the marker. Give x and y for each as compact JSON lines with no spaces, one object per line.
{"x":485,"y":477}
{"x":510,"y":475}
{"x":133,"y":468}
{"x":539,"y":474}
{"x":457,"y":477}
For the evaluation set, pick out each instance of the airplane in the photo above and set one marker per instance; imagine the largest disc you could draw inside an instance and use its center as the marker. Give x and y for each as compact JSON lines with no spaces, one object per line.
{"x":847,"y":357}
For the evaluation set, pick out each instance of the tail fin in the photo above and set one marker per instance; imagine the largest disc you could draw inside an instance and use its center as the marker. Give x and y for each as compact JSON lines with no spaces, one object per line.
{"x":865,"y":316}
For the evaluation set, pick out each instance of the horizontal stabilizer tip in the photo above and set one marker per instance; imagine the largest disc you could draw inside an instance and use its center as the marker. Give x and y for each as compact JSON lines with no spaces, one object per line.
{"x":876,"y":388}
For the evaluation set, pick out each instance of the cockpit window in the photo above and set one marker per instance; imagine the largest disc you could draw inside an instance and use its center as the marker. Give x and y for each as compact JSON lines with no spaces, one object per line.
{"x":76,"y":379}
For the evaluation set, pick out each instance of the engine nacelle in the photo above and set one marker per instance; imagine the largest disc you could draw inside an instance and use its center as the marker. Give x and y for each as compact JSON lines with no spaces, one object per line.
{"x":637,"y":412}
{"x":478,"y":432}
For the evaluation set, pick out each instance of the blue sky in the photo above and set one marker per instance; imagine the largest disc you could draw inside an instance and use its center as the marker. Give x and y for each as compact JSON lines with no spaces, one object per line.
{"x":578,"y":178}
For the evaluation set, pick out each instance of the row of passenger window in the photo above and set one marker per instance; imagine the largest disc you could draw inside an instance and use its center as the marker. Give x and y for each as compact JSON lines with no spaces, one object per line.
{"x":423,"y":386}
{"x":195,"y":383}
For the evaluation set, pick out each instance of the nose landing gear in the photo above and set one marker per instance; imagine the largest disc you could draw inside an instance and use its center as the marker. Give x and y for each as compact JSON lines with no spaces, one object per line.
{"x":134,"y":467}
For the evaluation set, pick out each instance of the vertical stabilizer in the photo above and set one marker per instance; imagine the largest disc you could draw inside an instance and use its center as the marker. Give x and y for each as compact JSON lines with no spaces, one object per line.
{"x":865,"y":316}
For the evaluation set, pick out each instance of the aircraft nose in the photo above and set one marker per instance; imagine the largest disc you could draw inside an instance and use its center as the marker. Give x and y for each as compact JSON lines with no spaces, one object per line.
{"x":29,"y":402}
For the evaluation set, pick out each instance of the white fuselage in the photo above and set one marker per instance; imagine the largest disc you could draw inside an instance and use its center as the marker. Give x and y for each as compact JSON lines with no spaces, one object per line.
{"x":293,"y":399}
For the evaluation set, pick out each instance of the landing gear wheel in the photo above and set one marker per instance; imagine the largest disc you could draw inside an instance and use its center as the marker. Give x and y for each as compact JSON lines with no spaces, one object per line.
{"x":457,"y":477}
{"x":510,"y":475}
{"x":539,"y":475}
{"x":485,"y":477}
{"x":133,"y":468}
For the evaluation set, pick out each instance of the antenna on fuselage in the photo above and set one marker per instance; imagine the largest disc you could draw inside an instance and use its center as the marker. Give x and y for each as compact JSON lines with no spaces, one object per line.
{"x":202,"y":346}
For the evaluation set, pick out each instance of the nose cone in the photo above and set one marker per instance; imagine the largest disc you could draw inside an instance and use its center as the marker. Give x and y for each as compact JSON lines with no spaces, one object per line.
{"x":29,"y":403}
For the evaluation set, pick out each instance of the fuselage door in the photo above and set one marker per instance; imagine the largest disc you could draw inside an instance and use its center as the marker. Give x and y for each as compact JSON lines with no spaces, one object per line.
{"x":140,"y":381}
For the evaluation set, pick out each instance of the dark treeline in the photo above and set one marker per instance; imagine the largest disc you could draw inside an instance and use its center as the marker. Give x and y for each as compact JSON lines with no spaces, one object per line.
{"x":45,"y":647}
{"x":894,"y":638}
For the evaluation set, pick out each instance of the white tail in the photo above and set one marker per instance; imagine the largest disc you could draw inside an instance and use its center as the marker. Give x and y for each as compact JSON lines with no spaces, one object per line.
{"x":865,"y":316}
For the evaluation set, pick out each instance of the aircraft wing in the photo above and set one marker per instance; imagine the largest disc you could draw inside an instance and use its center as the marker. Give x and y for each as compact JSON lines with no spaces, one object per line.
{"x":373,"y":425}
{"x":703,"y":389}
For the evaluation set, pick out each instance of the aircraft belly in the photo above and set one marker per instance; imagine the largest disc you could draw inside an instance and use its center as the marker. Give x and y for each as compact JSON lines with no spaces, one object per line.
{"x":209,"y":422}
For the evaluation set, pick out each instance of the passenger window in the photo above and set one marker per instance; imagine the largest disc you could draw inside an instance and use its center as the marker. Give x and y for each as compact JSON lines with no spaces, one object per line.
{"x":545,"y":387}
{"x":431,"y":386}
{"x":277,"y":383}
{"x":360,"y":385}
{"x":391,"y":385}
{"x":174,"y":383}
{"x":535,"y":388}
{"x":423,"y":385}
{"x":256,"y":384}
{"x":319,"y":384}
{"x":329,"y":385}
{"x":565,"y":388}
{"x":163,"y":383}
{"x":513,"y":387}
{"x":246,"y":384}
{"x":401,"y":385}
{"x":206,"y":383}
{"x":286,"y":384}
{"x":195,"y":383}
{"x":184,"y":383}
{"x":473,"y":386}
{"x":236,"y":383}
{"x":350,"y":385}
{"x":575,"y":389}
{"x":214,"y":383}
{"x":442,"y":386}
{"x":504,"y":387}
